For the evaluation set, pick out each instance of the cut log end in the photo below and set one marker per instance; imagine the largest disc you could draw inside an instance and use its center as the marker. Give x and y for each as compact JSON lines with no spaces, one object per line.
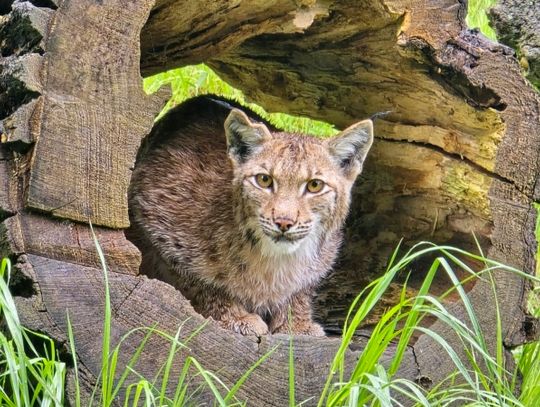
{"x":458,"y":154}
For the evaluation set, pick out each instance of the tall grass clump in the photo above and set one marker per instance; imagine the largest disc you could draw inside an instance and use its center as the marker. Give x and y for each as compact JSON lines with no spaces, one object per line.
{"x":479,"y":377}
{"x":29,"y":376}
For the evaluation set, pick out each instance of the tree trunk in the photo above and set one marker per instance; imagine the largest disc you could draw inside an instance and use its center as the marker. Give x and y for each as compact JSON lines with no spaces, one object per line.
{"x":516,"y":23}
{"x":459,"y":153}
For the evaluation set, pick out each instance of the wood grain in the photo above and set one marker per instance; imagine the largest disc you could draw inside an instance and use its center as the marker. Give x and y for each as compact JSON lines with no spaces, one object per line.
{"x":94,"y":112}
{"x":459,"y":153}
{"x":138,"y":301}
{"x":185,"y":32}
{"x":74,"y":242}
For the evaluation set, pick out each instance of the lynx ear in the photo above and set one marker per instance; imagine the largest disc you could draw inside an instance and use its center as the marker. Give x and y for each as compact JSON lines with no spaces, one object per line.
{"x":243,"y":137}
{"x":350,"y":147}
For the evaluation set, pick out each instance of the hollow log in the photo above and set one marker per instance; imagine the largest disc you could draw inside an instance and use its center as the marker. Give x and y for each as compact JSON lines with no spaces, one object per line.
{"x":458,"y":153}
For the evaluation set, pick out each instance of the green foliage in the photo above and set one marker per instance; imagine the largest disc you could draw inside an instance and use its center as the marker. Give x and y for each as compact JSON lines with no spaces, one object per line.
{"x":480,"y":373}
{"x":477,"y":17}
{"x":529,"y":364}
{"x":196,"y":80}
{"x":28,"y":377}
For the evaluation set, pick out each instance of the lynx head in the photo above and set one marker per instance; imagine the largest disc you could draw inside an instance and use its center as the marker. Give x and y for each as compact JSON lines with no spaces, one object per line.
{"x":291,"y":189}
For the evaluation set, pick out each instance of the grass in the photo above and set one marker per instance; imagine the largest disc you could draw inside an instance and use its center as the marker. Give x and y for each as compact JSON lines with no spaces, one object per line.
{"x":37,"y":378}
{"x":370,"y":382}
{"x":26,"y":377}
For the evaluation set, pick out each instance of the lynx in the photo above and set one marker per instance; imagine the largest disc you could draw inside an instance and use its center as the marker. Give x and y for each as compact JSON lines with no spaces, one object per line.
{"x":244,"y":220}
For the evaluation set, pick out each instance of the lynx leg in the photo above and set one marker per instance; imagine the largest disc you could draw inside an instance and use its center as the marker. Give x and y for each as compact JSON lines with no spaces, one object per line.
{"x":301,"y":321}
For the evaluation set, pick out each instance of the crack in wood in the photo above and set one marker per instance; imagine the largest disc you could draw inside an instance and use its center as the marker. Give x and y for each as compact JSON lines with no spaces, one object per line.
{"x":114,"y":311}
{"x":44,"y":4}
{"x":455,"y":156}
{"x":415,"y":360}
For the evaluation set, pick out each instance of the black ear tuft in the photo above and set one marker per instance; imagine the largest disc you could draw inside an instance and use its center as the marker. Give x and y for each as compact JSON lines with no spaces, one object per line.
{"x":350,"y":147}
{"x":243,"y":137}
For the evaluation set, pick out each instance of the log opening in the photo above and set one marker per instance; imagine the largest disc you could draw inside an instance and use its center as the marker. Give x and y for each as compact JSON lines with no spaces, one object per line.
{"x":430,"y":171}
{"x":459,"y":151}
{"x":384,"y":211}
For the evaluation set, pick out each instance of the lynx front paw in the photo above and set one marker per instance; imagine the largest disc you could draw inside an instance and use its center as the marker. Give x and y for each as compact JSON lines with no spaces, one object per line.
{"x":303,"y":328}
{"x":250,"y":324}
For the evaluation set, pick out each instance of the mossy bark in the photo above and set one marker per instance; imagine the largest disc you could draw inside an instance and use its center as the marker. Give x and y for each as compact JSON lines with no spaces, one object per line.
{"x":517,"y":25}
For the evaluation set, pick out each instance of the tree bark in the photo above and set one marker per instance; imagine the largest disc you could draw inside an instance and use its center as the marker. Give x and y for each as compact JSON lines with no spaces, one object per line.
{"x":459,"y":153}
{"x":516,"y":24}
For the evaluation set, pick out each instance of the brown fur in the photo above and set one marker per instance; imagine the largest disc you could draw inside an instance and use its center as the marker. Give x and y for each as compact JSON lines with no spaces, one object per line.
{"x":205,"y":225}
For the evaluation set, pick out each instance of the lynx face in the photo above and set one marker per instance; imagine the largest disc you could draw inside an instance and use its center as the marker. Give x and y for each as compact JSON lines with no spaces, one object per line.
{"x":291,"y":189}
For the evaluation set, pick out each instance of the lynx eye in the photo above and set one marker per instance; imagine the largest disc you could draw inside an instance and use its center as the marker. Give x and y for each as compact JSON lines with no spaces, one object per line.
{"x":264,"y":180}
{"x":315,"y":185}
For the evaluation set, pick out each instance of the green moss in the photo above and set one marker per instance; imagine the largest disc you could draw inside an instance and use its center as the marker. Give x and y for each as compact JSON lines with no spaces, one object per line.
{"x":468,"y":187}
{"x":477,"y":17}
{"x":196,"y":80}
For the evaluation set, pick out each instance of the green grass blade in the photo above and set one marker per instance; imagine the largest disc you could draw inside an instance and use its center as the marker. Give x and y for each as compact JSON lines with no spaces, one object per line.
{"x":413,"y":317}
{"x":209,"y":379}
{"x":231,"y":394}
{"x":292,"y":398}
{"x":106,"y":390}
{"x":168,"y":366}
{"x":71,"y":340}
{"x":15,"y":355}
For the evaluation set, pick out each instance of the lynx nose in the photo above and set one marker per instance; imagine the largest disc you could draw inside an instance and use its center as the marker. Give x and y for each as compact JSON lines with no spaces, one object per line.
{"x":284,"y":224}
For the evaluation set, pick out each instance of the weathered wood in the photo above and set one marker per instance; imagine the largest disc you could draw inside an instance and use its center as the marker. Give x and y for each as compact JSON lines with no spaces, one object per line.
{"x":138,"y":301}
{"x":459,"y":153}
{"x":91,"y":90}
{"x":192,"y":32}
{"x":17,"y":130}
{"x":20,"y":82}
{"x":23,"y":29}
{"x":72,"y":242}
{"x":516,"y":23}
{"x":8,"y":183}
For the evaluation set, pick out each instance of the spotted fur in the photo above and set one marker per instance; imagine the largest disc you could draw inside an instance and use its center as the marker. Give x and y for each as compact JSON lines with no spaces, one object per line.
{"x":204,"y":224}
